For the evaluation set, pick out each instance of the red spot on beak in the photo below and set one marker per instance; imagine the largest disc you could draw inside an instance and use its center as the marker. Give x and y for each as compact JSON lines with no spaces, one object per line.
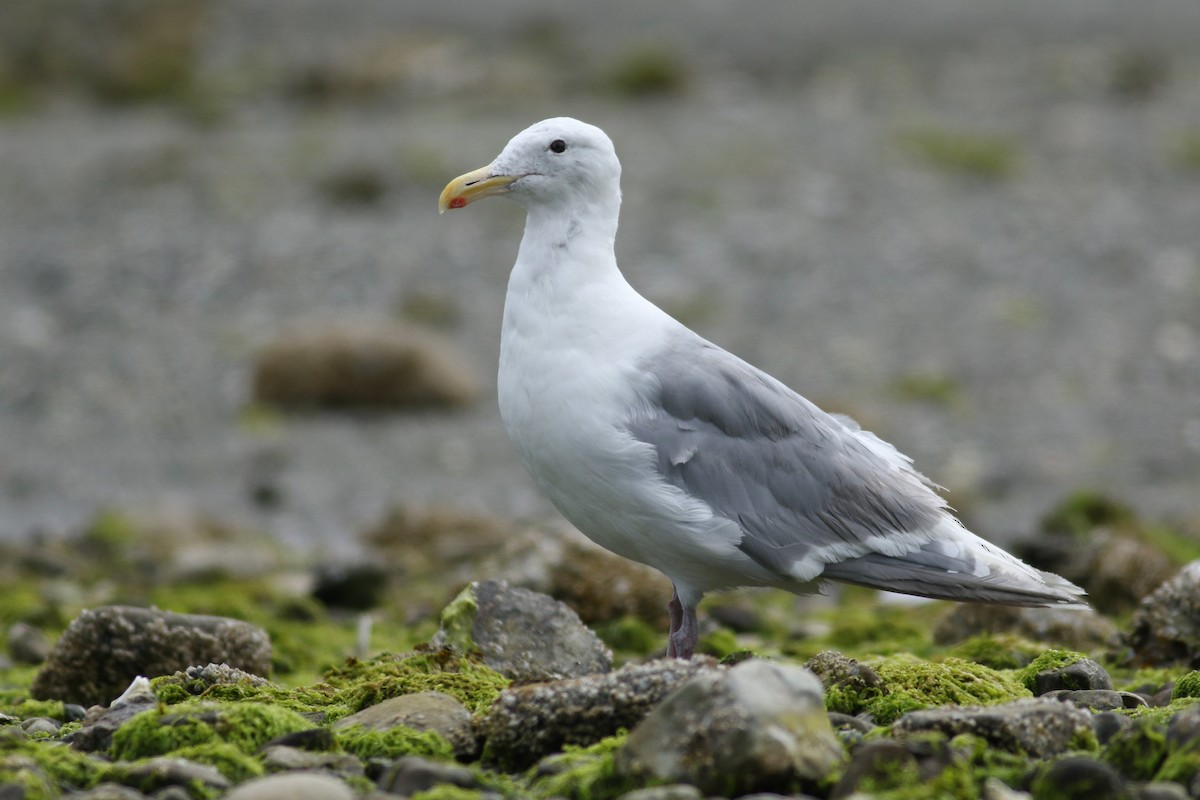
{"x":458,"y":202}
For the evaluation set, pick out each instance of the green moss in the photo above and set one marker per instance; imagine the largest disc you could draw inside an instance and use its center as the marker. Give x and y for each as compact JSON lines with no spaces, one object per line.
{"x":988,"y":761}
{"x":65,"y":766}
{"x":447,"y":791}
{"x":1181,"y":765}
{"x":393,"y":743}
{"x":631,"y":635}
{"x":232,"y":762}
{"x":1137,"y":752}
{"x":720,"y":643}
{"x":861,"y":627}
{"x":908,"y":684}
{"x":971,"y":154}
{"x":26,"y":708}
{"x":245,"y":726}
{"x":998,"y":651}
{"x":1049,"y":660}
{"x":458,"y":621}
{"x":1187,"y":686}
{"x":582,"y":773}
{"x":365,"y":683}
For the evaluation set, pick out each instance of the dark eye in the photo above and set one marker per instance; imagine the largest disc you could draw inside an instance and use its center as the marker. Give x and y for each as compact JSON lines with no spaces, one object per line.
{"x":557,"y":146}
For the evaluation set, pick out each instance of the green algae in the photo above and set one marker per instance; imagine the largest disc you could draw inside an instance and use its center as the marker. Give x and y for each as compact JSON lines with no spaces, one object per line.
{"x":908,"y":684}
{"x":1049,"y":660}
{"x":246,"y":727}
{"x":17,"y":703}
{"x":630,"y":636}
{"x":393,"y":743}
{"x":365,"y":683}
{"x":582,"y":773}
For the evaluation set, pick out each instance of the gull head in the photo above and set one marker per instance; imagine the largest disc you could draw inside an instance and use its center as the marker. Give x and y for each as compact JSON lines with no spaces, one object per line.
{"x":557,"y":162}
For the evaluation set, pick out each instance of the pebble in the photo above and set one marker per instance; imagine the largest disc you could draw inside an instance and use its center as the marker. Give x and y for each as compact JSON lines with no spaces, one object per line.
{"x":411,"y":774}
{"x":27,"y":644}
{"x":1082,"y":674}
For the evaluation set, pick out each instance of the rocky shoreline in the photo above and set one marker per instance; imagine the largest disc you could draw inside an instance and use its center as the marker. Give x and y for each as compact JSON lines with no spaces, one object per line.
{"x":504,"y":692}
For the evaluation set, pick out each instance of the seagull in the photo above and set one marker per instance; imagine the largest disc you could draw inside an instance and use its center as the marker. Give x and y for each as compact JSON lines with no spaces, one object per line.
{"x":665,"y":449}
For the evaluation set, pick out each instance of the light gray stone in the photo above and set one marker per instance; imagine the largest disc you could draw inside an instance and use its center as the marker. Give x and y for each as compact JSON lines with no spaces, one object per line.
{"x":421,"y":711}
{"x":293,"y":786}
{"x":524,"y":635}
{"x":759,"y":726}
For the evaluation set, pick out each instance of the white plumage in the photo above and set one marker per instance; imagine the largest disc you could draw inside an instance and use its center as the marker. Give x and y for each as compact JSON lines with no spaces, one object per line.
{"x":665,"y":449}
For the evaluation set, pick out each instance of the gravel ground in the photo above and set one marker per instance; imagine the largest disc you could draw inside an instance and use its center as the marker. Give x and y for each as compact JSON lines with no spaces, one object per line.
{"x":1023,"y":324}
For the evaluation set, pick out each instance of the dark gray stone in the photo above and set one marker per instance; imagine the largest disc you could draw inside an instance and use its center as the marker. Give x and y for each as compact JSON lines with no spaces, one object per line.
{"x":1108,"y":724}
{"x":282,"y":758}
{"x":152,"y":774}
{"x":529,"y":722}
{"x":422,"y":711}
{"x":1038,"y":727}
{"x":759,"y":726}
{"x":1078,"y":778}
{"x":105,"y":648}
{"x":526,"y":636}
{"x":1083,"y":674}
{"x":412,"y":774}
{"x":1092,"y":699}
{"x":1184,"y":727}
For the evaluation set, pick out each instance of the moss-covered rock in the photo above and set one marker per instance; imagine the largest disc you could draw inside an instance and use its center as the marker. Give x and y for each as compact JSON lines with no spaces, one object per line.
{"x":907,"y":684}
{"x":245,"y":726}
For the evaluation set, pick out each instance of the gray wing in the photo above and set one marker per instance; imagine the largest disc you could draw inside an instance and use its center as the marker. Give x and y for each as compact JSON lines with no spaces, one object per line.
{"x":793,"y":477}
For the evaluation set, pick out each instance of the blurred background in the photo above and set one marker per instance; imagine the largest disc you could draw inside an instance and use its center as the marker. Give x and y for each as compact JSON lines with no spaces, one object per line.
{"x":225,"y":292}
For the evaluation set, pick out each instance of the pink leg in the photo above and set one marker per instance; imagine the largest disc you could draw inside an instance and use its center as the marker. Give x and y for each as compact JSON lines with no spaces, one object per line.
{"x":683,"y":640}
{"x":675,"y":609}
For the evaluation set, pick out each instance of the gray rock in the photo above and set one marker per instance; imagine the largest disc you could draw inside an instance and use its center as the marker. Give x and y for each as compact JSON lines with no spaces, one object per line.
{"x":879,"y":760}
{"x":152,"y":774}
{"x":27,"y":644}
{"x":281,"y":758}
{"x":996,"y":789}
{"x":109,"y":791}
{"x":759,"y":726}
{"x":529,"y":722}
{"x":1166,"y":626}
{"x":411,"y":774}
{"x":40,"y":725}
{"x":1036,"y":726}
{"x":105,"y":648}
{"x":362,"y":363}
{"x":1078,"y":778}
{"x":1108,"y":724}
{"x":1159,"y":790}
{"x":294,"y":786}
{"x":521,"y":634}
{"x":422,"y":711}
{"x":101,"y":722}
{"x":674,"y":791}
{"x":1083,"y":674}
{"x":1074,"y":629}
{"x":1184,"y":727}
{"x":1091,"y":699}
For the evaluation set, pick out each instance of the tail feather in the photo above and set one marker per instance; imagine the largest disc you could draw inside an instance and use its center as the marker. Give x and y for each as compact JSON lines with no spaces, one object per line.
{"x":960,"y":566}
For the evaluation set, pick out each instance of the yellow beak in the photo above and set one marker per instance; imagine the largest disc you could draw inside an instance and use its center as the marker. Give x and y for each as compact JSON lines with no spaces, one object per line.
{"x":473,"y":186}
